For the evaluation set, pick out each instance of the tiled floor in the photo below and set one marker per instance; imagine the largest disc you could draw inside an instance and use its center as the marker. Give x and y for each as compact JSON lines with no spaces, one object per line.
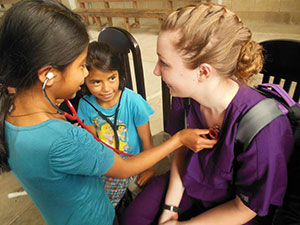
{"x":21,"y":211}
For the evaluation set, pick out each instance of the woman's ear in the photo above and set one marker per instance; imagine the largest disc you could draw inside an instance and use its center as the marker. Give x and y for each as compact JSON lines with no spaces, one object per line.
{"x":46,"y":72}
{"x":204,"y":71}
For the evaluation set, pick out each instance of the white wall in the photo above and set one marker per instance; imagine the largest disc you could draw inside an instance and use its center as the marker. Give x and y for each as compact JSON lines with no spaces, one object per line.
{"x":70,"y":3}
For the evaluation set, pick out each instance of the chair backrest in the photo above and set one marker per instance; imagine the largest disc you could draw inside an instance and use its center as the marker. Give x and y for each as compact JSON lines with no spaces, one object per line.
{"x":122,"y":42}
{"x":282,"y":61}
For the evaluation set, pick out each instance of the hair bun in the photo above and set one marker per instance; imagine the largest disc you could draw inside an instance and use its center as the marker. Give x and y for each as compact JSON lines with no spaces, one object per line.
{"x":250,"y":60}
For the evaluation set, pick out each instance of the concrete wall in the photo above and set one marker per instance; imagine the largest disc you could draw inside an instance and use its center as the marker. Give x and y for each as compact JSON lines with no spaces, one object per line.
{"x":277,"y":11}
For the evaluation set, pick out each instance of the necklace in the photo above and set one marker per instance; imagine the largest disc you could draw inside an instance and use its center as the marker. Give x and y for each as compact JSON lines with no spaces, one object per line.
{"x":12,"y":108}
{"x":29,"y":114}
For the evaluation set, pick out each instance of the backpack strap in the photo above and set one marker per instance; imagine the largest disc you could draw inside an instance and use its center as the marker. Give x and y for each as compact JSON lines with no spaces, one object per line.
{"x":282,"y":96}
{"x":254,"y":120}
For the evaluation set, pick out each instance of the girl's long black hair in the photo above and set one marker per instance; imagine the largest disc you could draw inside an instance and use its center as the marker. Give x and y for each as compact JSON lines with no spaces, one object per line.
{"x":34,"y":34}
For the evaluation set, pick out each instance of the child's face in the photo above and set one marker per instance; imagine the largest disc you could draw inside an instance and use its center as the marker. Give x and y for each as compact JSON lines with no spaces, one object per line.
{"x":104,"y":86}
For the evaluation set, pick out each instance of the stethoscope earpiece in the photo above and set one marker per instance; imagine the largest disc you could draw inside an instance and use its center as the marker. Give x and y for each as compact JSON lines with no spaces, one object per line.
{"x":49,"y":75}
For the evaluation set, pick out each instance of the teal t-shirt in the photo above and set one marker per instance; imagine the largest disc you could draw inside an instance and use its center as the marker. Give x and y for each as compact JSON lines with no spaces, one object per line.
{"x":59,"y":164}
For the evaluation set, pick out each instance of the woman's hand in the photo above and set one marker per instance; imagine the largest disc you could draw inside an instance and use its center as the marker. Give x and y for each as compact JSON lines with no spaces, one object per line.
{"x":168,"y":216}
{"x":145,"y":176}
{"x":195,"y":139}
{"x":171,"y":222}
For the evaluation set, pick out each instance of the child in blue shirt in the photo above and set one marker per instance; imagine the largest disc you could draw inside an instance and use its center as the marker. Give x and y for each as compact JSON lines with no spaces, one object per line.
{"x":123,"y":121}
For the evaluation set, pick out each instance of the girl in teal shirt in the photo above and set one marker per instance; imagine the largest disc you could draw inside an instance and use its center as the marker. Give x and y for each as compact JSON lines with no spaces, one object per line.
{"x":43,"y":45}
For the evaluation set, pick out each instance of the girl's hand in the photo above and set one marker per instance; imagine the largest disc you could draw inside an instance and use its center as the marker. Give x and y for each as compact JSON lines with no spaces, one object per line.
{"x":195,"y":139}
{"x":168,"y":216}
{"x":145,"y":176}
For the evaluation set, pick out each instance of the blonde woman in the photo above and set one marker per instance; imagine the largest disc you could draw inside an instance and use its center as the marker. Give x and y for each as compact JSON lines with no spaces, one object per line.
{"x":205,"y":53}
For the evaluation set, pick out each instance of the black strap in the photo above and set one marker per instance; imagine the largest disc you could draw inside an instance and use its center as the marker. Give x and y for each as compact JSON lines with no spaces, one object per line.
{"x":254,"y":120}
{"x":172,"y":208}
{"x":187,"y":104}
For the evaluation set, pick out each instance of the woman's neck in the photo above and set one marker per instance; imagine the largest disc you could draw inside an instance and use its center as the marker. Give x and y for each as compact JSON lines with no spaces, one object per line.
{"x":216,"y":99}
{"x":30,"y":107}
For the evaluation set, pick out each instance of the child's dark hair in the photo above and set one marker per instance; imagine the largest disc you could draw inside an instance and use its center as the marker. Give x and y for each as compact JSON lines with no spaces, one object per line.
{"x":101,"y":57}
{"x":34,"y":34}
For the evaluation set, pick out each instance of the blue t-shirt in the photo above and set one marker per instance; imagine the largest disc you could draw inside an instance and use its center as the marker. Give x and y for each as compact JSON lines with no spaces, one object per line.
{"x":59,"y":164}
{"x":134,"y":111}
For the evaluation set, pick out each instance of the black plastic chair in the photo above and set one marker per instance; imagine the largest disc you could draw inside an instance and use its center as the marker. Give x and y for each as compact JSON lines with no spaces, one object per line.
{"x":122,"y":42}
{"x":282,"y":61}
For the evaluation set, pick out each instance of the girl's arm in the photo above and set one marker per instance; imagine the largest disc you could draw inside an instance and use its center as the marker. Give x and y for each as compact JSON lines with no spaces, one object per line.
{"x":233,"y":212}
{"x":92,"y":128}
{"x":191,"y":138}
{"x":146,"y":137}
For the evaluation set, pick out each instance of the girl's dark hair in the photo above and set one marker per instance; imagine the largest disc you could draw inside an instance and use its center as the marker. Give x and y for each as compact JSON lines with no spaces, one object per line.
{"x":34,"y":34}
{"x":101,"y":57}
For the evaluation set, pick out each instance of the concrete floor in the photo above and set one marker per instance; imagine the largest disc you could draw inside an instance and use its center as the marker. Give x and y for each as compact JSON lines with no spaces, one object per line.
{"x":21,"y":211}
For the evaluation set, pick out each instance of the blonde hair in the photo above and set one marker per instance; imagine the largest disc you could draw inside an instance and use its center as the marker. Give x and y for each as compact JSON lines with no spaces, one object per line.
{"x":210,"y":33}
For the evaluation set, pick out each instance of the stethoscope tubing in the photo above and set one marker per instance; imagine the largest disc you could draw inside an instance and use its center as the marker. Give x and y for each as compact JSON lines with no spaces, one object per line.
{"x":75,"y":117}
{"x":113,"y":125}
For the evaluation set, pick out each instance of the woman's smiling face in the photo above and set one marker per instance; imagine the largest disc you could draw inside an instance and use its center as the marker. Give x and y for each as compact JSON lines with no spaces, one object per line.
{"x":170,"y":66}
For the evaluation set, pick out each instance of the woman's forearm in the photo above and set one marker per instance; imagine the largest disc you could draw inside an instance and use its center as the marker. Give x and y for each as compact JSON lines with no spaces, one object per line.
{"x":176,"y":188}
{"x":233,"y":212}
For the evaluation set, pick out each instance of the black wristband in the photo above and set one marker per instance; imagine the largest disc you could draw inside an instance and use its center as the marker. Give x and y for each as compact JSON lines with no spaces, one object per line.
{"x":172,"y":208}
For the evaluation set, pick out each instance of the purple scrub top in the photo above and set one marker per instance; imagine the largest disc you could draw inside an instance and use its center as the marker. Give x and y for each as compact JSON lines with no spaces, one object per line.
{"x":260,"y":179}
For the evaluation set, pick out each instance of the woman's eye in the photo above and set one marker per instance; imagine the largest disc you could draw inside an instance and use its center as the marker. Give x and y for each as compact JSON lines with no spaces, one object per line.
{"x":162,"y":63}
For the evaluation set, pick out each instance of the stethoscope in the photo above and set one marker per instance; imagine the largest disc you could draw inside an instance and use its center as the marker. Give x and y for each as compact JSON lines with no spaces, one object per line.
{"x":74,"y":116}
{"x":112,"y":125}
{"x":213,"y":132}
